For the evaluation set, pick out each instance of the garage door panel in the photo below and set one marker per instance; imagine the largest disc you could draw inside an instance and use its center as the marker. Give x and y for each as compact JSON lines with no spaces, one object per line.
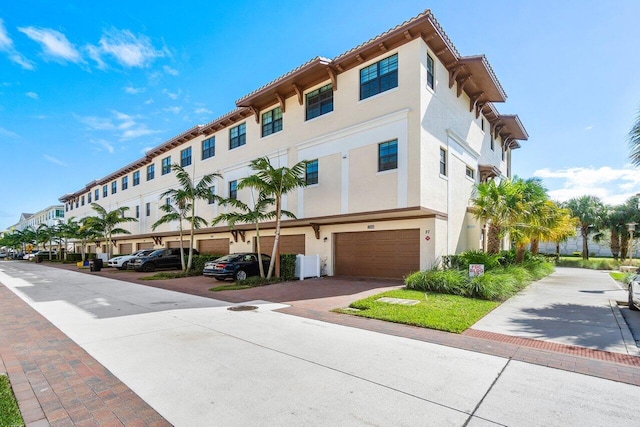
{"x":125,"y":248}
{"x":289,"y":244}
{"x":145,"y":245}
{"x":214,"y":246}
{"x":389,"y":253}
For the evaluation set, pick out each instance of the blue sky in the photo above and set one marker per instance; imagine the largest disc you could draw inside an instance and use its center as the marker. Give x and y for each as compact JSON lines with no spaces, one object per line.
{"x":87,"y":87}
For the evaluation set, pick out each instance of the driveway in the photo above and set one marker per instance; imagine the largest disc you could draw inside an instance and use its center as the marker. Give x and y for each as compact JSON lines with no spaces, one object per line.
{"x":198,"y":363}
{"x":573,"y":306}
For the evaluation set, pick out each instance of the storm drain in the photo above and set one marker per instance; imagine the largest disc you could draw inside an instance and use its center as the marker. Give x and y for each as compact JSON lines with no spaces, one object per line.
{"x":242,"y":308}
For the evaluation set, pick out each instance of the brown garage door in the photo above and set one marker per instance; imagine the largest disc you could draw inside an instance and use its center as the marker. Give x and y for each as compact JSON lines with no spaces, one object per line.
{"x":214,"y":246}
{"x":145,"y":245}
{"x":171,"y":245}
{"x":293,"y":244}
{"x":392,"y":254}
{"x":125,"y":248}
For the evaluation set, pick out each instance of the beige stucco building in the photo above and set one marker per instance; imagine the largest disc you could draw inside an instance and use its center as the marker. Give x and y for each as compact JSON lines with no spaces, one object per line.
{"x":397,"y":131}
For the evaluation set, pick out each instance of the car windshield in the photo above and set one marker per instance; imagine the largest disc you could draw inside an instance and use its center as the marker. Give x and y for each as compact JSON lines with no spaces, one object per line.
{"x":157,"y":252}
{"x":228,"y":258}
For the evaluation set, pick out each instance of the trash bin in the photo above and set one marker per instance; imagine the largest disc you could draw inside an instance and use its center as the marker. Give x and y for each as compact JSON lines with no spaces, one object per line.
{"x":95,"y":265}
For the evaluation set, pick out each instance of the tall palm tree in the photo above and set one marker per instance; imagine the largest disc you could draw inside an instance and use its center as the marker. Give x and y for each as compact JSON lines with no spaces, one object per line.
{"x":185,"y":196}
{"x":249,"y":215}
{"x":590,"y":213}
{"x":105,"y":224}
{"x":634,"y":142}
{"x":274,"y":183}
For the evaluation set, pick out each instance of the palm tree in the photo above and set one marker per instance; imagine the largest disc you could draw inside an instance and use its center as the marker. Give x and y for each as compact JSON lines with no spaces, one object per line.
{"x":46,"y":234}
{"x":494,"y":203}
{"x":179,"y":213}
{"x":248,"y":215}
{"x":564,"y":227}
{"x":105,"y":224}
{"x":274,"y":183}
{"x":634,"y":142}
{"x":590,"y":213}
{"x":185,"y":198}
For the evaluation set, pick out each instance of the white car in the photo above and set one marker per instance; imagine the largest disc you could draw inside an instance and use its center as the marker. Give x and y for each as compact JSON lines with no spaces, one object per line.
{"x":120,"y":262}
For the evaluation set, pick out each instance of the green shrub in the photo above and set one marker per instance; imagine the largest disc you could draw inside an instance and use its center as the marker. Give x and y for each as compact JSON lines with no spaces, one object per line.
{"x":490,"y":261}
{"x":254,"y":281}
{"x":442,"y":281}
{"x":576,"y":254}
{"x":287,"y":266}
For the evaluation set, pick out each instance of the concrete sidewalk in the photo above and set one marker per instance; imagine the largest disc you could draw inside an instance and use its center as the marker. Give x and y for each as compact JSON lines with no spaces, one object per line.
{"x":197,"y":363}
{"x":573,"y":307}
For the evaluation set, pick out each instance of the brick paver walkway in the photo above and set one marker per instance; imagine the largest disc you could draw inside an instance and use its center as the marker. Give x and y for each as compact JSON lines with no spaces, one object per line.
{"x":55,"y":381}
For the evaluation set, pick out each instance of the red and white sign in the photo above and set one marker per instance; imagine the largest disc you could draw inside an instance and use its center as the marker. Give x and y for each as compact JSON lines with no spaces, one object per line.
{"x":476,"y":270}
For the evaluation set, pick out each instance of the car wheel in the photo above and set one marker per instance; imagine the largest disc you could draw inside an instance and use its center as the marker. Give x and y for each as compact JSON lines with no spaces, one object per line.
{"x":148,"y":267}
{"x":124,"y":265}
{"x":632,"y":306}
{"x":241,"y":275}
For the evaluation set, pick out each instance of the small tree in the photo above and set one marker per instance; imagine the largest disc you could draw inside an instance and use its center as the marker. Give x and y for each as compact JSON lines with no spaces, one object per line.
{"x":590,"y":213}
{"x":275,"y":183}
{"x":105,"y":224}
{"x":185,"y":197}
{"x":248,"y":215}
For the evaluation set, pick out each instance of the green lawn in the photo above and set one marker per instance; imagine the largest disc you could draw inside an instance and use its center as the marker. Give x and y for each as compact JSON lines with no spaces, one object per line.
{"x":9,"y":412}
{"x":449,"y":313}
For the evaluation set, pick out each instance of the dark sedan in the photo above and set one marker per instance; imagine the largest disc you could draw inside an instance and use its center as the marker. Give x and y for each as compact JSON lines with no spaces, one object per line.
{"x":236,"y":266}
{"x":159,"y":259}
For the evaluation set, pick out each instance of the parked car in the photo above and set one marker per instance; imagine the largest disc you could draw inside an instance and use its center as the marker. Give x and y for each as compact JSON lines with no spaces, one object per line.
{"x":634,"y":293}
{"x":3,"y":254}
{"x":158,"y":259}
{"x":41,"y":254}
{"x":235,"y":266}
{"x":122,"y":261}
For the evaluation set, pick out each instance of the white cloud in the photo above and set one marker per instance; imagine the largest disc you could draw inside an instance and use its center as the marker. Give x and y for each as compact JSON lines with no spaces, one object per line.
{"x":32,"y":95}
{"x":124,"y":126}
{"x":6,"y":45}
{"x":8,"y":133}
{"x":588,"y":128}
{"x":174,"y":110}
{"x":202,"y":110}
{"x":172,"y":95}
{"x":170,"y":70}
{"x":104,"y":144}
{"x":94,"y":53}
{"x":128,"y":49}
{"x":54,"y":160}
{"x":133,"y":90}
{"x":613,"y":186}
{"x":149,"y":101}
{"x":54,"y":44}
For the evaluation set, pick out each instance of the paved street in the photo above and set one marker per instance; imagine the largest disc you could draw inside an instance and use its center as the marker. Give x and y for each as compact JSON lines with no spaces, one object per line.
{"x":197,"y":363}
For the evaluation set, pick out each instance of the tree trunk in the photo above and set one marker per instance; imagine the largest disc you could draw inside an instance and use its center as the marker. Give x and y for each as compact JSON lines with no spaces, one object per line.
{"x":520,"y":250}
{"x":615,"y":243}
{"x":493,"y":239}
{"x":259,"y":250}
{"x":624,"y":246}
{"x":557,"y":251}
{"x":276,"y":244}
{"x":585,"y":242}
{"x":535,"y":246}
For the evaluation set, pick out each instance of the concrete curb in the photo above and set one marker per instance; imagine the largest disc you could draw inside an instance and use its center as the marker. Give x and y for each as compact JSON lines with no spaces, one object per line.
{"x":627,"y":337}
